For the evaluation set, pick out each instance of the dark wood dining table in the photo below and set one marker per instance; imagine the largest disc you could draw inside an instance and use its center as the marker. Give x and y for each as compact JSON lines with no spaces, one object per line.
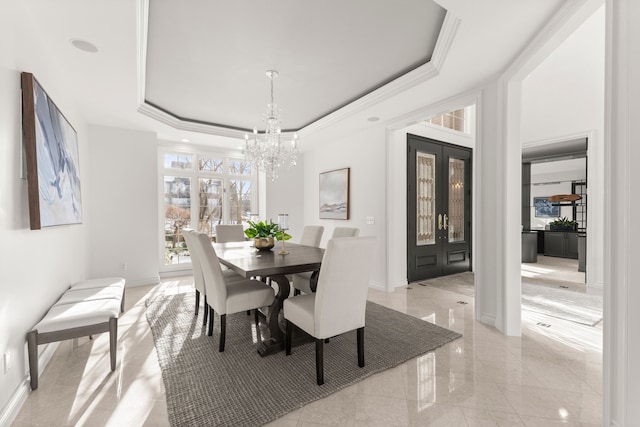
{"x":246,"y":260}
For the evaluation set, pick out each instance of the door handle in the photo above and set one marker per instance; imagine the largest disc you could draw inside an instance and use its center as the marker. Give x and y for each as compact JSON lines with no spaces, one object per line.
{"x":440,"y":222}
{"x":446,"y":223}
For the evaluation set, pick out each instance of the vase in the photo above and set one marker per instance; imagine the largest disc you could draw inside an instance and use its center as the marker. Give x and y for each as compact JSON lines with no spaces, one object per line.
{"x":264,"y":243}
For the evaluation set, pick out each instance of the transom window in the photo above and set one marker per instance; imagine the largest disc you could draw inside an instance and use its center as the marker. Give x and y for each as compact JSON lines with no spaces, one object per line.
{"x":201,"y":190}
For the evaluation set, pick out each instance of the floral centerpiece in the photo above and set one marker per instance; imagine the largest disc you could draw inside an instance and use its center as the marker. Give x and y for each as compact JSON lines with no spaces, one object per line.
{"x":264,"y":233}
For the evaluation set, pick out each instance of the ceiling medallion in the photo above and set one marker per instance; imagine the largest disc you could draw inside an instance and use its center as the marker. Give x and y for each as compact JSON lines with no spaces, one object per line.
{"x":270,"y":150}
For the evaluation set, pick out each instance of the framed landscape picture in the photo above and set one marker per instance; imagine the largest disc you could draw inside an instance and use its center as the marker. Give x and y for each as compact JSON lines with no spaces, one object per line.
{"x":51,"y":151}
{"x":544,"y":208}
{"x":334,"y":194}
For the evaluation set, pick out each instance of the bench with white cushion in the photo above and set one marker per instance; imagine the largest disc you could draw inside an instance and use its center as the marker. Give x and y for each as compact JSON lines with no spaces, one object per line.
{"x":86,"y":308}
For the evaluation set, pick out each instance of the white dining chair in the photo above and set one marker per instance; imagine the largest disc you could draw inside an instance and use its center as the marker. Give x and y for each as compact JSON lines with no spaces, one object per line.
{"x":198,"y":280}
{"x":311,"y":235}
{"x":339,"y":303}
{"x":302,"y":281}
{"x":229,"y":233}
{"x":224,"y":297}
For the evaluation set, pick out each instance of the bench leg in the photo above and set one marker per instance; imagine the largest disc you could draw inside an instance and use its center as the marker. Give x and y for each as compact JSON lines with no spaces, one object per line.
{"x":113,"y":341}
{"x":32,"y":344}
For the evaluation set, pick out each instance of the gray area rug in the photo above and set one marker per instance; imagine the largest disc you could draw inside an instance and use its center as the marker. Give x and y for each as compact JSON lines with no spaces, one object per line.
{"x":574,"y":306}
{"x":240,"y":388}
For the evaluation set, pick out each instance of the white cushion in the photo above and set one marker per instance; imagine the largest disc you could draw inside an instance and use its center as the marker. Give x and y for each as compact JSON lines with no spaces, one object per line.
{"x":73,"y":296}
{"x":302,"y":281}
{"x":67,"y":316}
{"x":247,"y":295}
{"x":231,"y":276}
{"x":99,"y":283}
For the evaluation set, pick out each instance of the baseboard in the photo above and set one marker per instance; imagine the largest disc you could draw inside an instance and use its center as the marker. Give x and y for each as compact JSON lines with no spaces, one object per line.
{"x":377,"y":285}
{"x":398,"y":284}
{"x":487,"y":319}
{"x":143,"y":282}
{"x":21,"y":393}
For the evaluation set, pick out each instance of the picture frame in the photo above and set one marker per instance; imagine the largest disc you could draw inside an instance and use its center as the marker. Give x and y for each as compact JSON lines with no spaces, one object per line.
{"x":544,"y":208}
{"x":334,"y":194}
{"x":51,"y":152}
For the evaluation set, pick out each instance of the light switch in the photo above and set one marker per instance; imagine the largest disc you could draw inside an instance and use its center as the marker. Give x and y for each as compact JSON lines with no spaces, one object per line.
{"x":371,"y":220}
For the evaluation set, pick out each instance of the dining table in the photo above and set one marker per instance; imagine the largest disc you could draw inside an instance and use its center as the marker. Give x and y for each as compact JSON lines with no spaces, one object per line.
{"x":273,"y":267}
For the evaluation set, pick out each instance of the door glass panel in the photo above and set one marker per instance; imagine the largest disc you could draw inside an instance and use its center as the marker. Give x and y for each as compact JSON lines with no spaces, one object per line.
{"x":456,"y":200}
{"x":210,"y":193}
{"x":426,"y":199}
{"x":177,"y":215}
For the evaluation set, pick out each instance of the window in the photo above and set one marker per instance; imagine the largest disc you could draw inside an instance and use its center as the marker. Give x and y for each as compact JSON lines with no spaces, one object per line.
{"x":223,"y":193}
{"x":454,"y":120}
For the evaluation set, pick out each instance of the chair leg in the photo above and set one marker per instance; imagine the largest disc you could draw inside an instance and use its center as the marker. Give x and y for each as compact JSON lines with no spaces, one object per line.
{"x":248,"y":312}
{"x":361,"y":347}
{"x":319,"y":362}
{"x":206,"y":311}
{"x":256,"y":318}
{"x":113,"y":341}
{"x":223,"y":331}
{"x":32,"y":344}
{"x":296,"y":292}
{"x":197,"y":302}
{"x":211,"y":318}
{"x":287,"y":337}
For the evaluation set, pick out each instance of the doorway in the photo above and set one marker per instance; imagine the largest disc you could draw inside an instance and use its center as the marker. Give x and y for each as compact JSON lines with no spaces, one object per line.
{"x":438,"y":208}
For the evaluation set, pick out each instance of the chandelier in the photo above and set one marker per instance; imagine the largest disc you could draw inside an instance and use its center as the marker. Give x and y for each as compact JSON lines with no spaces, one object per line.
{"x":270,"y":150}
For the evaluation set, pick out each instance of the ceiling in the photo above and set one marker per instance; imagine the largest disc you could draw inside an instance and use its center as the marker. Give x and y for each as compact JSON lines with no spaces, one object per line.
{"x":173,"y":68}
{"x":206,"y":61}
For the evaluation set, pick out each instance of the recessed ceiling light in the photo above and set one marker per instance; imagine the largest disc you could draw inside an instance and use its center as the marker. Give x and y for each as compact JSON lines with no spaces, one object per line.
{"x":373,"y":119}
{"x":84,"y":45}
{"x":184,"y":140}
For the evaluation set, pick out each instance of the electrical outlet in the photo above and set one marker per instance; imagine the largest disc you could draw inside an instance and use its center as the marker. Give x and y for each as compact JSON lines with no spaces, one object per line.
{"x":370,"y":220}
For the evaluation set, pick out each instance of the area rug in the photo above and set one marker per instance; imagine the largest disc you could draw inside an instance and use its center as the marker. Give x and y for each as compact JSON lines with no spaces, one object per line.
{"x":240,"y":388}
{"x":563,"y":304}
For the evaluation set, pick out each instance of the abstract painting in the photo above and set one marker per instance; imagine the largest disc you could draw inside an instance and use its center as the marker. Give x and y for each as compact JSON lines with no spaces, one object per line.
{"x":544,"y":208}
{"x":334,"y":194}
{"x":51,"y":148}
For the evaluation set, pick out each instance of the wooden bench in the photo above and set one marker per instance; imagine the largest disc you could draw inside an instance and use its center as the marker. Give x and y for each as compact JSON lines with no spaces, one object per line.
{"x":86,"y":308}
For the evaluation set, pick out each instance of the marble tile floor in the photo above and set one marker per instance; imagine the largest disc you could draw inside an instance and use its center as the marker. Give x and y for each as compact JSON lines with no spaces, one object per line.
{"x":551,"y":375}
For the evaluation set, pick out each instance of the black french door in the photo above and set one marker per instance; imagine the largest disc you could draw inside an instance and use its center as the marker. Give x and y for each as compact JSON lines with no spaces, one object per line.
{"x":438,"y":208}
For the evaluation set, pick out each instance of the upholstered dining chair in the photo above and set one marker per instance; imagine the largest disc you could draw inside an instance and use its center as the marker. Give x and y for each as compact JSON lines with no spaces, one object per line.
{"x":198,"y":280}
{"x":311,"y":235}
{"x":226,"y":297}
{"x":339,"y":304}
{"x":302,"y":281}
{"x":229,"y":233}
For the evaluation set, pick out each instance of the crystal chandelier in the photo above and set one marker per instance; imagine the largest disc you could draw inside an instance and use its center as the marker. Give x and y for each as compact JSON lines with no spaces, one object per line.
{"x":270,"y":150}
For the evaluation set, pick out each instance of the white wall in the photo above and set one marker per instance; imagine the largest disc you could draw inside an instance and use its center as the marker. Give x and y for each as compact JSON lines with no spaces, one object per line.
{"x":564,"y":98}
{"x":364,"y":153}
{"x":35,"y":266}
{"x":123,"y":204}
{"x":284,"y":195}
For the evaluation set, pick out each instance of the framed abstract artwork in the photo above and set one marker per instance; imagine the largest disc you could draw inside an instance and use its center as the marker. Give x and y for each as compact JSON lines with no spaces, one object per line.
{"x":544,"y":208}
{"x":334,"y":194}
{"x":51,"y":152}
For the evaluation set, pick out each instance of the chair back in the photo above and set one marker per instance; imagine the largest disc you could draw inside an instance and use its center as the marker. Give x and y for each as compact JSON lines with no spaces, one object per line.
{"x":229,"y":233}
{"x":311,"y":235}
{"x":345,"y":232}
{"x":216,"y":290}
{"x":198,"y":279}
{"x":341,"y":295}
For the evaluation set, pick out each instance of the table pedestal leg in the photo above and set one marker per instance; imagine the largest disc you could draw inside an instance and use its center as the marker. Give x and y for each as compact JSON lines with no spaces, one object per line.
{"x":275,"y":342}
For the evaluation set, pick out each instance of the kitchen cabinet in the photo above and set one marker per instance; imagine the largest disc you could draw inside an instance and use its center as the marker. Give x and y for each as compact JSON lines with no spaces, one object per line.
{"x":561,"y":244}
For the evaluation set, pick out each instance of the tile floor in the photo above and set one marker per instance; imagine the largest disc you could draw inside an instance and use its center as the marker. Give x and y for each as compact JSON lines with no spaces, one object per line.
{"x":548,"y":376}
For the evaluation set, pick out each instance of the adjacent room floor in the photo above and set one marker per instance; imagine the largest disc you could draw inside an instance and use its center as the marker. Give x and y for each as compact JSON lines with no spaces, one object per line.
{"x":550,"y":375}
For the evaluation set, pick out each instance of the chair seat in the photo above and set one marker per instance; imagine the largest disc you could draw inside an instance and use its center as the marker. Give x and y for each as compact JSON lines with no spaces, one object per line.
{"x":247,"y":295}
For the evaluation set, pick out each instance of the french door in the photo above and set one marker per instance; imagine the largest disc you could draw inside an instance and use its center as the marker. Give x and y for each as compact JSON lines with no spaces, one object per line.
{"x":438,"y":208}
